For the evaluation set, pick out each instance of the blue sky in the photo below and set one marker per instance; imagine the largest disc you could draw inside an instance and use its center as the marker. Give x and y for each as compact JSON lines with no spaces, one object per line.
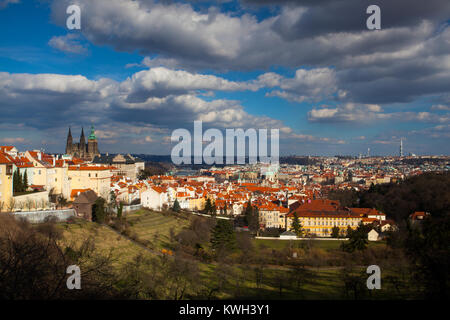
{"x":138,"y":70}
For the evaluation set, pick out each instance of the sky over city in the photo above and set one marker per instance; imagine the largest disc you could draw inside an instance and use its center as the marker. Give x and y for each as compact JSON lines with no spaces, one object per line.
{"x":137,"y":70}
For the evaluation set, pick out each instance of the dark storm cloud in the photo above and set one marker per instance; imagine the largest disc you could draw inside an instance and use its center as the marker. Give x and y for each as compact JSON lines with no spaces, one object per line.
{"x":407,"y":60}
{"x":326,"y":16}
{"x":47,"y":100}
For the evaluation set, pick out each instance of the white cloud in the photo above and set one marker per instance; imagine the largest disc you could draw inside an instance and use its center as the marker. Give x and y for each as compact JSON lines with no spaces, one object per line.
{"x":351,"y":112}
{"x":439,"y":107}
{"x":68,"y":44}
{"x":161,"y":81}
{"x":306,"y":85}
{"x":12,"y":140}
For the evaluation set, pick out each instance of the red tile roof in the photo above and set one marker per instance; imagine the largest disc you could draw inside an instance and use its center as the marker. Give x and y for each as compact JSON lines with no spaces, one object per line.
{"x":5,"y":159}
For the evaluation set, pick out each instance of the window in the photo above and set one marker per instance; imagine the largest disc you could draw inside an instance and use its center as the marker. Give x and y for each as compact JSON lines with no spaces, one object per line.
{"x":89,"y":175}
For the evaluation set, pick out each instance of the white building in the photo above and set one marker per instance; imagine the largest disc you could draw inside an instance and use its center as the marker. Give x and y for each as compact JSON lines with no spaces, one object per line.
{"x":288,"y":235}
{"x":155,"y":198}
{"x":373,"y":235}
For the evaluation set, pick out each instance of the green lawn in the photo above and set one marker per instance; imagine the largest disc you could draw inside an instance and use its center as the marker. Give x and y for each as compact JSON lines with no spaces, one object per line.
{"x":105,"y":239}
{"x":323,"y":283}
{"x":322,"y":244}
{"x":155,"y":227}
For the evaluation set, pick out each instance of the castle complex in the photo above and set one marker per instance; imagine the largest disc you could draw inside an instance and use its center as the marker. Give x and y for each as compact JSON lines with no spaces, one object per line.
{"x":84,"y":150}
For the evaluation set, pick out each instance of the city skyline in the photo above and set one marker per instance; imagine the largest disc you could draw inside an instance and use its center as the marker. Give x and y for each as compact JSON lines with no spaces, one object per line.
{"x":331,"y":87}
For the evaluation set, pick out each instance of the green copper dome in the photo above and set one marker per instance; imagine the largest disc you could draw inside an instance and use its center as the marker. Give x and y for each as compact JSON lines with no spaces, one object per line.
{"x":92,"y":135}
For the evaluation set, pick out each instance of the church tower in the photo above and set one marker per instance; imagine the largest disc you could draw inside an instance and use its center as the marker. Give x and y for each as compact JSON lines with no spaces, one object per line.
{"x":92,"y":147}
{"x":82,"y":148}
{"x":69,"y":143}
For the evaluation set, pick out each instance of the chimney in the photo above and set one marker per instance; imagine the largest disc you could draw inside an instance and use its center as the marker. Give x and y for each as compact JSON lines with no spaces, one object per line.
{"x":54,"y":161}
{"x":39,"y":156}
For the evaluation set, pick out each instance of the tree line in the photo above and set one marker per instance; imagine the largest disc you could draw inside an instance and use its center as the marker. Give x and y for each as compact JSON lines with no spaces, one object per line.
{"x":20,"y":181}
{"x":429,"y":192}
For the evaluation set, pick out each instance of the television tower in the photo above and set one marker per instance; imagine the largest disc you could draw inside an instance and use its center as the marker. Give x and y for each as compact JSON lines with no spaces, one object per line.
{"x":368,"y":152}
{"x":401,"y":147}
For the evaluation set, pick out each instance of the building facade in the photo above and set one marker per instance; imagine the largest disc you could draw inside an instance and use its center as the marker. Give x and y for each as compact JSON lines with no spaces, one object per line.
{"x":97,"y":178}
{"x":126,"y":165}
{"x":6,"y":181}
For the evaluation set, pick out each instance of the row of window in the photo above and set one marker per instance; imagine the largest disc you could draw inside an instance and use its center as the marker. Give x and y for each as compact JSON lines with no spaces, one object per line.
{"x":322,"y":218}
{"x":331,"y":223}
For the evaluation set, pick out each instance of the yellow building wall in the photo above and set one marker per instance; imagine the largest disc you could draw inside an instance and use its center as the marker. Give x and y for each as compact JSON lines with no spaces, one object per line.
{"x":322,"y":227}
{"x":197,"y":203}
{"x":97,"y":180}
{"x":6,"y":187}
{"x":40,"y":176}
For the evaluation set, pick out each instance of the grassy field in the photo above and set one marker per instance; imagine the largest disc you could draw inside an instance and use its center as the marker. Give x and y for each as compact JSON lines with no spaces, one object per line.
{"x":324,"y":282}
{"x":155,"y":227}
{"x":322,"y":244}
{"x":105,"y":239}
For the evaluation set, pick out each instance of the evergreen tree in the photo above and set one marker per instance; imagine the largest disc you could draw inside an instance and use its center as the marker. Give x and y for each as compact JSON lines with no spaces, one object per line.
{"x":98,"y":210}
{"x":296,"y":226}
{"x":15,"y":181}
{"x":225,"y":209}
{"x":176,"y":206}
{"x":208,"y":206}
{"x":248,"y":213}
{"x":348,"y":232}
{"x":20,"y":181}
{"x":335,"y":232}
{"x":120,"y":210}
{"x":223,"y":236}
{"x":25,"y":181}
{"x":254,"y":223}
{"x":357,"y":239}
{"x":214,"y":209}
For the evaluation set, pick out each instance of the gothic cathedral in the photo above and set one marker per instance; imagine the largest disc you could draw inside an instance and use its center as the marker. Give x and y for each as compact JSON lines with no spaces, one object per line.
{"x":83,"y":150}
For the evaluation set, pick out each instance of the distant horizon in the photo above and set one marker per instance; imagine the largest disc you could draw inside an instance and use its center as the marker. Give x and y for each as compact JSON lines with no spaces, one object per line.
{"x":281,"y":155}
{"x":329,"y":85}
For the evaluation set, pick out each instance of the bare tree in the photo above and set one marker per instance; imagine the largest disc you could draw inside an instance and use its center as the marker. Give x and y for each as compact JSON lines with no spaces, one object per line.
{"x":280,"y":281}
{"x":29,"y":204}
{"x":11,"y":204}
{"x":298,"y":278}
{"x":259,"y":273}
{"x":33,"y":264}
{"x":220,"y":280}
{"x":354,"y":285}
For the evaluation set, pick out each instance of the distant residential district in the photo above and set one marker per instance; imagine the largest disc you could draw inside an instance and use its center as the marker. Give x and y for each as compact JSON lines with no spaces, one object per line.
{"x":33,"y":181}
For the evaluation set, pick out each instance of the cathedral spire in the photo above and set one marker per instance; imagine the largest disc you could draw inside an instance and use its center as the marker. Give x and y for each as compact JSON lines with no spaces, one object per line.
{"x":69,"y":142}
{"x":82,"y":139}
{"x":83,"y":146}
